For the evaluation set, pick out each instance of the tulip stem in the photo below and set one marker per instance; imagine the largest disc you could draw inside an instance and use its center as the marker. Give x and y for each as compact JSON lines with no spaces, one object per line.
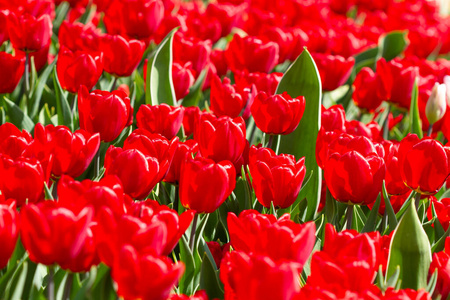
{"x":349,"y":217}
{"x":68,"y":286}
{"x":97,"y":163}
{"x":113,"y":87}
{"x":430,"y":130}
{"x":26,"y":74}
{"x":193,"y":229}
{"x":51,"y":284}
{"x":269,"y":144}
{"x":386,"y":123}
{"x":417,"y":200}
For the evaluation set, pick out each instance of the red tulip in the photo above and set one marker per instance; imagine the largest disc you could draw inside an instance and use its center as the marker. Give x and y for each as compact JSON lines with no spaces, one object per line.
{"x":3,"y":25}
{"x":21,"y":179}
{"x":263,"y":82}
{"x":145,"y":276}
{"x":370,"y":91}
{"x":141,"y":19}
{"x":13,"y":142}
{"x":441,"y":263}
{"x":251,"y":54}
{"x":78,"y":36}
{"x":226,"y":99}
{"x":12,"y":70}
{"x":334,"y":70}
{"x":121,"y":57}
{"x":278,"y":114}
{"x":333,"y":118}
{"x":52,"y":234}
{"x":254,"y":277}
{"x":204,"y":184}
{"x":262,"y":234}
{"x":189,"y":147}
{"x":394,"y":182}
{"x":28,"y":33}
{"x":191,"y":50}
{"x":221,"y":138}
{"x":163,"y":119}
{"x":9,"y":232}
{"x":78,"y":68}
{"x":424,"y":164}
{"x":92,"y":109}
{"x":72,"y":152}
{"x":276,"y":179}
{"x":353,"y":177}
{"x":183,"y":78}
{"x":190,"y":118}
{"x":199,"y":295}
{"x":137,"y":172}
{"x":40,"y":58}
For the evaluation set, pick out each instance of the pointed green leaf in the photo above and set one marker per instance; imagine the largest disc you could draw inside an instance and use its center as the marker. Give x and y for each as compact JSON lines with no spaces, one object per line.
{"x":392,"y":219}
{"x":195,"y":92}
{"x":302,"y":79}
{"x":410,"y":249}
{"x":16,"y":115}
{"x":371,"y":222}
{"x":62,"y":105}
{"x":392,"y":44}
{"x":186,"y":256}
{"x":414,"y":117}
{"x":209,"y":279}
{"x":159,"y":86}
{"x":36,"y":96}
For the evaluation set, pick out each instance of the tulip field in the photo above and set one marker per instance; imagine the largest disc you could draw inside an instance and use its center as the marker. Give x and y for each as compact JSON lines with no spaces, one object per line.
{"x":225,"y":149}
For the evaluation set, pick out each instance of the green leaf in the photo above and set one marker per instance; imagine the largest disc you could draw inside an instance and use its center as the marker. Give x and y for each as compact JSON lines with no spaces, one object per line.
{"x":371,"y":222}
{"x":392,"y":44}
{"x":209,"y":279}
{"x":36,"y":95}
{"x":302,"y":79}
{"x":15,"y":286}
{"x":414,"y":117}
{"x":186,"y":256}
{"x":410,"y":249}
{"x":17,"y":116}
{"x":432,"y":283}
{"x":62,"y":105}
{"x":440,"y":244}
{"x":159,"y":86}
{"x":392,"y":219}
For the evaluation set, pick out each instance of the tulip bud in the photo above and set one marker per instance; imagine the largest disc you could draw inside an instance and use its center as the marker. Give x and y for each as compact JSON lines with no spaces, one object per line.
{"x":410,"y":249}
{"x":436,"y":104}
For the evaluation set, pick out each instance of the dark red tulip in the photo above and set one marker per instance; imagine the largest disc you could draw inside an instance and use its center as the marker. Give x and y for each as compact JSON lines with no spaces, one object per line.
{"x":22,"y":179}
{"x":424,"y":164}
{"x":72,"y":152}
{"x":145,"y":276}
{"x":370,"y":91}
{"x":52,"y":234}
{"x":121,"y":57}
{"x":226,"y":99}
{"x":276,"y":179}
{"x":254,"y":277}
{"x":9,"y":232}
{"x":78,"y":68}
{"x":13,"y":68}
{"x":334,"y":70}
{"x":204,"y":184}
{"x":28,"y":33}
{"x":251,"y":54}
{"x":137,"y":172}
{"x":277,"y":114}
{"x":163,"y":119}
{"x":92,"y":107}
{"x":260,"y":234}
{"x":221,"y":138}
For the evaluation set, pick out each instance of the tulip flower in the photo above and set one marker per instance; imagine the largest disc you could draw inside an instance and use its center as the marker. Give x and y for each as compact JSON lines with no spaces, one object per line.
{"x":13,"y":68}
{"x":121,"y":57}
{"x":9,"y":232}
{"x":334,"y":70}
{"x":437,"y":104}
{"x":78,"y":68}
{"x":441,"y":263}
{"x":226,"y":100}
{"x":204,"y":184}
{"x":424,"y":164}
{"x":276,"y":179}
{"x":221,"y":138}
{"x":163,"y":119}
{"x":199,"y":295}
{"x":137,"y":172}
{"x":263,"y":82}
{"x":251,"y":54}
{"x":78,"y":36}
{"x":333,"y":118}
{"x":183,"y":78}
{"x":189,"y":49}
{"x":13,"y":142}
{"x":189,"y":147}
{"x":145,"y":276}
{"x":260,"y":234}
{"x":52,"y":234}
{"x":22,"y":179}
{"x":278,"y":114}
{"x":140,"y":19}
{"x":370,"y":91}
{"x":190,"y":119}
{"x":394,"y":182}
{"x":254,"y":277}
{"x":92,"y":107}
{"x":28,"y":33}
